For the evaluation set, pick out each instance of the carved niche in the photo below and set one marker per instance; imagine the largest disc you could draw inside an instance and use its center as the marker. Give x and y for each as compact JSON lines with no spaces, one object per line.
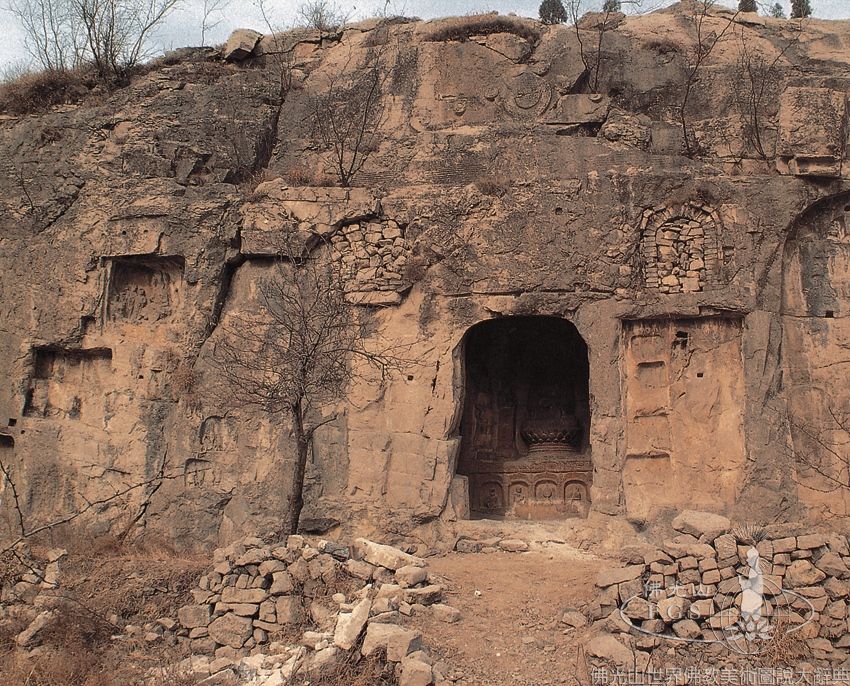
{"x":144,"y":289}
{"x":526,"y":419}
{"x":680,"y":248}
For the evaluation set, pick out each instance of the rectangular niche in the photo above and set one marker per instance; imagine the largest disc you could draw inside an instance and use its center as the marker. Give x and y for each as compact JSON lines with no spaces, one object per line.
{"x":144,"y":289}
{"x":684,"y":394}
{"x":68,"y":383}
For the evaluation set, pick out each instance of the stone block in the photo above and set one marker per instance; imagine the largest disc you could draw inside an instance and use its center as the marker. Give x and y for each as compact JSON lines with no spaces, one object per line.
{"x":240,"y":45}
{"x":395,"y":640}
{"x":609,"y":577}
{"x":231,"y":630}
{"x":350,"y":625}
{"x":194,"y":616}
{"x":385,"y":556}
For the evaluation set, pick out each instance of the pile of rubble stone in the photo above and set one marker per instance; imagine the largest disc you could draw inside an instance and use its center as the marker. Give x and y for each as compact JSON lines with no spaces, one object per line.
{"x":267,"y":612}
{"x":689,"y":593}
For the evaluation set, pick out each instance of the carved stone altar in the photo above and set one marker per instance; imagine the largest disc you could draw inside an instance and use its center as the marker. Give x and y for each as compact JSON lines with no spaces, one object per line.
{"x":524,"y":448}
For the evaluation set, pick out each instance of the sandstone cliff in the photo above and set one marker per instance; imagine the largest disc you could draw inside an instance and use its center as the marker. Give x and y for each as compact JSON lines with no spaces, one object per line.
{"x":510,"y":178}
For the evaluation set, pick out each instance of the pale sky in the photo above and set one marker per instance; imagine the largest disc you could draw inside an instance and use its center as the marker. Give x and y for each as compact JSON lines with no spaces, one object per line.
{"x":183,"y":28}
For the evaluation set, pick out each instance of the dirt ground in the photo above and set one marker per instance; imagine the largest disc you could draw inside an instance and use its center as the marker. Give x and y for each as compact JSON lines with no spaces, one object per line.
{"x":510,"y":633}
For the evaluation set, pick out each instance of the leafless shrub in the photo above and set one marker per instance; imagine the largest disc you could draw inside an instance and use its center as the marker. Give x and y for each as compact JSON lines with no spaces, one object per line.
{"x":757,"y":83}
{"x":349,"y":114}
{"x":591,"y":41}
{"x":356,"y":670}
{"x":749,"y":534}
{"x":664,"y":46}
{"x":112,"y":34}
{"x":300,"y":175}
{"x":784,"y":648}
{"x":36,"y":91}
{"x":212,"y":14}
{"x":822,"y":451}
{"x":706,"y":42}
{"x":322,"y":15}
{"x":53,"y":33}
{"x":183,"y":379}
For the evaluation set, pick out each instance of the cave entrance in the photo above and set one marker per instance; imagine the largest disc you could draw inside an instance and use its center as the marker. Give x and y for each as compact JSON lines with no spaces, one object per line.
{"x":526,"y":419}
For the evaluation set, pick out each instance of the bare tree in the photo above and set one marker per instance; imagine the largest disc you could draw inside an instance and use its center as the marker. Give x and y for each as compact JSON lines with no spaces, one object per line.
{"x":212,"y":14}
{"x":821,"y":452}
{"x":117,"y":31}
{"x":300,"y":350}
{"x":21,"y":530}
{"x":53,"y":34}
{"x":757,"y":83}
{"x":349,"y":114}
{"x":114,"y":34}
{"x":591,"y":41}
{"x":322,"y":15}
{"x":706,"y":41}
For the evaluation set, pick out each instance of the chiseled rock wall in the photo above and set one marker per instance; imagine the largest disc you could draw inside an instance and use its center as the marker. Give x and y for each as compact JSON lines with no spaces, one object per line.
{"x":505,"y":180}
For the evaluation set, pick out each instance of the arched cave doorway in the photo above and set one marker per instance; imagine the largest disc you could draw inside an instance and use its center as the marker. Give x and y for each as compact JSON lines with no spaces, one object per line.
{"x":526,"y":419}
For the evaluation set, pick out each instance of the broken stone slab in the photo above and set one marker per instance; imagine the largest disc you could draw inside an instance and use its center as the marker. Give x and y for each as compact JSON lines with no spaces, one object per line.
{"x":359,"y":569}
{"x":288,"y":609}
{"x":29,"y":637}
{"x":698,"y":523}
{"x":802,"y":573}
{"x":231,"y":630}
{"x":445,"y":613}
{"x":687,"y":628}
{"x":397,"y":641}
{"x":580,"y":108}
{"x":415,"y":673}
{"x":686,"y":545}
{"x":240,"y":45}
{"x":410,"y":575}
{"x":385,"y":556}
{"x":281,"y":583}
{"x":231,"y":594}
{"x":349,"y":625}
{"x":574,"y":619}
{"x":609,"y":577}
{"x":832,"y":565}
{"x":373,"y":298}
{"x":608,"y":648}
{"x":427,"y":595}
{"x":513,"y":545}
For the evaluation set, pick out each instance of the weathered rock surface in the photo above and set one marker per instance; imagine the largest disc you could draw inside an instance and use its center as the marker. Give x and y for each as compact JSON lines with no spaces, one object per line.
{"x":703,"y":269}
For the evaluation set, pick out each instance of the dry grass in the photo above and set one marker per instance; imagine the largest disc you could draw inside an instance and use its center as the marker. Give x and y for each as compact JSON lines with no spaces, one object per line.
{"x":32,"y":92}
{"x":355,"y":670}
{"x":463,"y":28}
{"x":302,"y":176}
{"x":784,"y":649}
{"x":104,"y":579}
{"x":493,"y":186}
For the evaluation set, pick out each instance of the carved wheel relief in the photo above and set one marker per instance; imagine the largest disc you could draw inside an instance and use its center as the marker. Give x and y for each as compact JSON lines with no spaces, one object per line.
{"x":527,"y":95}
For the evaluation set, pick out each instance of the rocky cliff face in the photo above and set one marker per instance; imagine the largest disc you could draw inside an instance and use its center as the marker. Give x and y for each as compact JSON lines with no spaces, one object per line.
{"x":509,"y":178}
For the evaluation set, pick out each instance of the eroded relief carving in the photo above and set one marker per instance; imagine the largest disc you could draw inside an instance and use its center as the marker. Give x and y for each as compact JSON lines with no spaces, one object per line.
{"x":69,"y":383}
{"x":144,"y":289}
{"x":526,"y":419}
